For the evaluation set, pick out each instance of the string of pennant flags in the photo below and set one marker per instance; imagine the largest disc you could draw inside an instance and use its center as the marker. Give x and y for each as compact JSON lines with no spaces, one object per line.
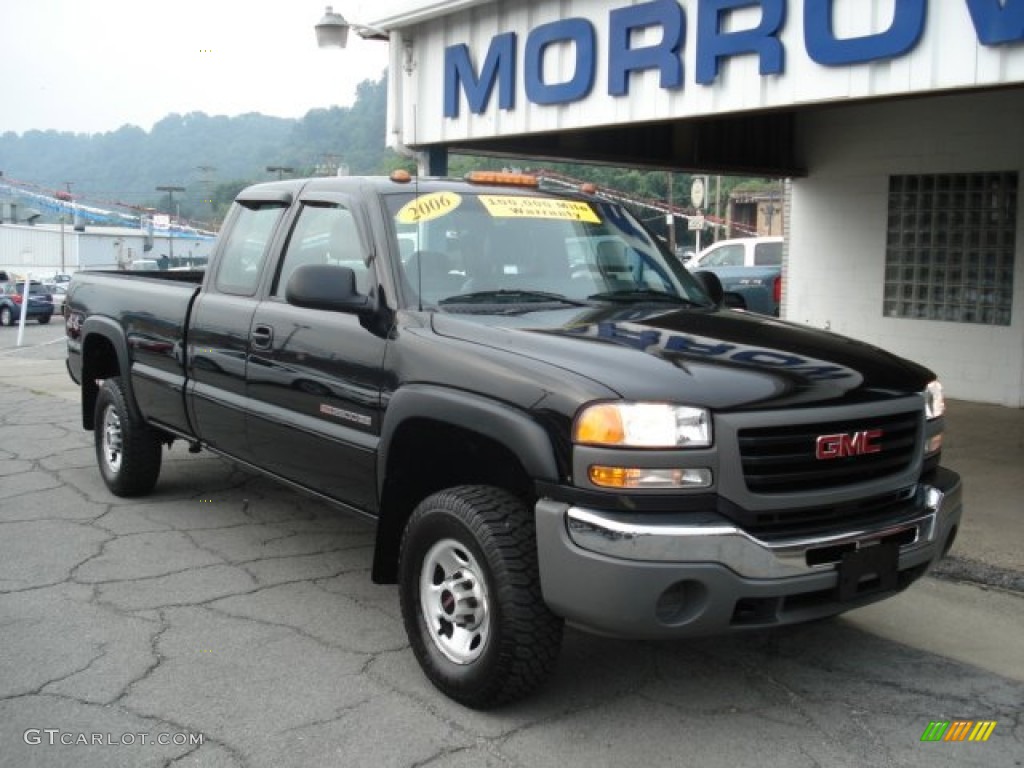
{"x":64,"y":204}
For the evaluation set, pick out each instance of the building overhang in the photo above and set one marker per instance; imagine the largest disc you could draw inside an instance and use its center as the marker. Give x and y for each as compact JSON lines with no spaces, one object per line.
{"x":672,"y":83}
{"x":761,"y":144}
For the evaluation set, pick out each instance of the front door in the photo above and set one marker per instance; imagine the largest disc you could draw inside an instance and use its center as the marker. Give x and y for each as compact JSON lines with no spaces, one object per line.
{"x":313,"y":378}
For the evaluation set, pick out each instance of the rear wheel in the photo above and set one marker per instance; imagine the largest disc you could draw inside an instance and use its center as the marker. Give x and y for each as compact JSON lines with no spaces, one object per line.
{"x":6,"y":316}
{"x":127,"y":450}
{"x":44,"y":319}
{"x":470,"y":593}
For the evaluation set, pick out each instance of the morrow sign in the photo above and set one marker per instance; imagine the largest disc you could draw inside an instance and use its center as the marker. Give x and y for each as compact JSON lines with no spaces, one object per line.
{"x":995,"y":23}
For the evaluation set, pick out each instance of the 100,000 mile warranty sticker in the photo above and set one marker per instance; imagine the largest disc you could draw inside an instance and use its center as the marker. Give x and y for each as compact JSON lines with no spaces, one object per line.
{"x":518,"y":206}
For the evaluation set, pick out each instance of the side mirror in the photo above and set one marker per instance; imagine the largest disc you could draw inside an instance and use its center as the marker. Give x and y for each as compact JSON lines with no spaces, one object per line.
{"x":323,"y":286}
{"x":713,"y":288}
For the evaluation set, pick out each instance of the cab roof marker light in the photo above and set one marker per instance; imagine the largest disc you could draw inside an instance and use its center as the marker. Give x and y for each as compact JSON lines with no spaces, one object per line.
{"x":502,"y":178}
{"x":400,"y":176}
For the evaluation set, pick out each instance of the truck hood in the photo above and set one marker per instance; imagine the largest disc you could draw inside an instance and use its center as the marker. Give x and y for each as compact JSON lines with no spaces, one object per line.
{"x":718,"y":359}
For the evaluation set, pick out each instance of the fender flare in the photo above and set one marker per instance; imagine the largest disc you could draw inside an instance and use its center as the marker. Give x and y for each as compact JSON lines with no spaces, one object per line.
{"x":503,"y":423}
{"x":109,"y":329}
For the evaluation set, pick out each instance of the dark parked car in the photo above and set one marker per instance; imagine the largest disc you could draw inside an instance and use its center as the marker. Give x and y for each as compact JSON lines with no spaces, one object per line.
{"x":40,"y":303}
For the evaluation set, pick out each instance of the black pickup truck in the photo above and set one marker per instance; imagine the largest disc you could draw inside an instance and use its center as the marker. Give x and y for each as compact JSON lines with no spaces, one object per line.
{"x":547,"y":418}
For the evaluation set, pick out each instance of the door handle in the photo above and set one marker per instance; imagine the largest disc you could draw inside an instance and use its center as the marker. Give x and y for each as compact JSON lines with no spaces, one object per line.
{"x":262,"y":336}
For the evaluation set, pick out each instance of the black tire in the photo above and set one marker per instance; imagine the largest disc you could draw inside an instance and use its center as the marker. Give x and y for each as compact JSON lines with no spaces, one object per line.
{"x":6,"y":316}
{"x":493,"y":653}
{"x":127,"y":451}
{"x":44,"y":319}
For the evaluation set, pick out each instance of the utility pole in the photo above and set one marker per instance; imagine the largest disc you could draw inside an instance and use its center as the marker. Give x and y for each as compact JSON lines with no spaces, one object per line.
{"x":718,"y":207}
{"x":74,"y":227}
{"x":170,"y":190}
{"x":671,"y":219}
{"x":207,"y":182}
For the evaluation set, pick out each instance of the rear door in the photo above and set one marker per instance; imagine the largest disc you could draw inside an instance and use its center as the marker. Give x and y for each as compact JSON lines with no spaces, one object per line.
{"x":218,"y":340}
{"x":314,"y":376}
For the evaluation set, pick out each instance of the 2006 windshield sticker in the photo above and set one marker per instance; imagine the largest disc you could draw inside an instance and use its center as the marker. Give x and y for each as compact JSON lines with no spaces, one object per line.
{"x":431,"y":206}
{"x":513,"y":206}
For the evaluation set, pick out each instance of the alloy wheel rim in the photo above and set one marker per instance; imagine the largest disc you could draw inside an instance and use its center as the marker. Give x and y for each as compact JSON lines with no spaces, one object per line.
{"x":112,"y":440}
{"x":453,"y":601}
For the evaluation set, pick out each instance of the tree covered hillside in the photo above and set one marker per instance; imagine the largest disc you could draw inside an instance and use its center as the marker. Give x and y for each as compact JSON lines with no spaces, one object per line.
{"x":211,"y":156}
{"x":214,"y":157}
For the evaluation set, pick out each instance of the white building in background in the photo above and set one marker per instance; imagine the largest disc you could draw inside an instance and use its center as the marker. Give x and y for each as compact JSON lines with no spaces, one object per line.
{"x":43,"y":250}
{"x":899,"y":123}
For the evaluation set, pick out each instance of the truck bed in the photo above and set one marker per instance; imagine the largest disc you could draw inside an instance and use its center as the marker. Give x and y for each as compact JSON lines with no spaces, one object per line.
{"x":152,"y":308}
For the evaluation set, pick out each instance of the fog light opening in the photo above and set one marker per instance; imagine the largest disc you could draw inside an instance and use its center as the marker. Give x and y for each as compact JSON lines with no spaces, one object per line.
{"x":682,"y":602}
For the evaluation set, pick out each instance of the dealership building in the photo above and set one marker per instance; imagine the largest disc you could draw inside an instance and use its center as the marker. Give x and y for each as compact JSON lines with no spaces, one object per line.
{"x":898,"y":123}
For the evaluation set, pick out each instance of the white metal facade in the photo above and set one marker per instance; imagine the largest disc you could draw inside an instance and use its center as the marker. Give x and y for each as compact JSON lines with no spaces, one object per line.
{"x":947,"y":56}
{"x":837,"y":230}
{"x":36,"y":250}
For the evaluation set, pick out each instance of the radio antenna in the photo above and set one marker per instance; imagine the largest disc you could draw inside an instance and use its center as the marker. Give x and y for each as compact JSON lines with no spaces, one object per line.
{"x":419,"y":224}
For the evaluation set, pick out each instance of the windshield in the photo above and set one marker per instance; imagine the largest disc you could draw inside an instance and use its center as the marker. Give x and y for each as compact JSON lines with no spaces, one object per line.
{"x":463,"y":249}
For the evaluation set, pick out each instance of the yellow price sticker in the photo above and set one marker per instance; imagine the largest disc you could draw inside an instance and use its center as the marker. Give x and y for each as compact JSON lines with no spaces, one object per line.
{"x":520,"y":206}
{"x":431,"y":206}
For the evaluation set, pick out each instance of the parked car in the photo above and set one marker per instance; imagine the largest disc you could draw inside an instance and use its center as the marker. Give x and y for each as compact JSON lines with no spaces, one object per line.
{"x":58,"y":291}
{"x":748,"y":267}
{"x":741,"y":252}
{"x":40,"y":303}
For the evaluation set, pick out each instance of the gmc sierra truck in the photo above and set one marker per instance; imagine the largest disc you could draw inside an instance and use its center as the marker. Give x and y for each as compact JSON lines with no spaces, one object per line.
{"x":546,"y":417}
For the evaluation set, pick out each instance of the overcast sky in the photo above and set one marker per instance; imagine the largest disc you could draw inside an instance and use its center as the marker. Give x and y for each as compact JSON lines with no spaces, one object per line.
{"x":91,"y":66}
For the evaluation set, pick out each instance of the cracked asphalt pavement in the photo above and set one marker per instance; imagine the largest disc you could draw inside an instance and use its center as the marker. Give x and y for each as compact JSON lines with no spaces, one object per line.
{"x":226,"y":610}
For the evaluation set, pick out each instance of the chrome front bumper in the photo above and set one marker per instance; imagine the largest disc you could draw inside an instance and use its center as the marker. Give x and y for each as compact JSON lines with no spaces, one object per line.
{"x":671,"y":575}
{"x":657,"y":539}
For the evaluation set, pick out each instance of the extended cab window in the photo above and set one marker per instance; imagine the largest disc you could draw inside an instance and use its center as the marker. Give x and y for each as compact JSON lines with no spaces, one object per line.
{"x":324,"y":233}
{"x":768,"y":254}
{"x":243,"y":253}
{"x":726,"y":256}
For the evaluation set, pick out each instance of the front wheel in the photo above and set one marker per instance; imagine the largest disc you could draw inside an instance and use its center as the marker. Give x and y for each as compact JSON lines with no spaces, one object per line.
{"x":6,"y":316}
{"x":127,"y":450}
{"x":470,"y":594}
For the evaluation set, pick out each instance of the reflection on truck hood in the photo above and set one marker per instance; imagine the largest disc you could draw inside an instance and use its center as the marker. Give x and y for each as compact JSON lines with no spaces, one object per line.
{"x":720,"y":359}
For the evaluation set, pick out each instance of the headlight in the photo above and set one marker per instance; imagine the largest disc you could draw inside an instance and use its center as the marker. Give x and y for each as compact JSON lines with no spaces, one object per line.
{"x":643,"y":425}
{"x":934,"y":403}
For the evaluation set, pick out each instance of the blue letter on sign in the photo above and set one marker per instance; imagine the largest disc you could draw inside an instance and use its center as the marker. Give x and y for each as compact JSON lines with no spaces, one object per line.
{"x":997,"y":22}
{"x":623,"y":59}
{"x":499,"y":65}
{"x":823,"y":47}
{"x":713,"y":44}
{"x":578,"y":31}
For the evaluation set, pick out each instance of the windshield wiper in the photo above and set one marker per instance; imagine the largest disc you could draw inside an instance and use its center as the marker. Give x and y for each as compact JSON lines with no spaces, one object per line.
{"x":642,"y":294}
{"x":506,"y":296}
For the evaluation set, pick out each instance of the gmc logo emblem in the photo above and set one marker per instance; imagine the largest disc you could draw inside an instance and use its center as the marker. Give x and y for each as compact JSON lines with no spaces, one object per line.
{"x":848,"y":444}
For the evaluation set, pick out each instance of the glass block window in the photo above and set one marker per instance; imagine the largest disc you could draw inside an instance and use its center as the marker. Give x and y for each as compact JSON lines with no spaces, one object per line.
{"x":950,"y":247}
